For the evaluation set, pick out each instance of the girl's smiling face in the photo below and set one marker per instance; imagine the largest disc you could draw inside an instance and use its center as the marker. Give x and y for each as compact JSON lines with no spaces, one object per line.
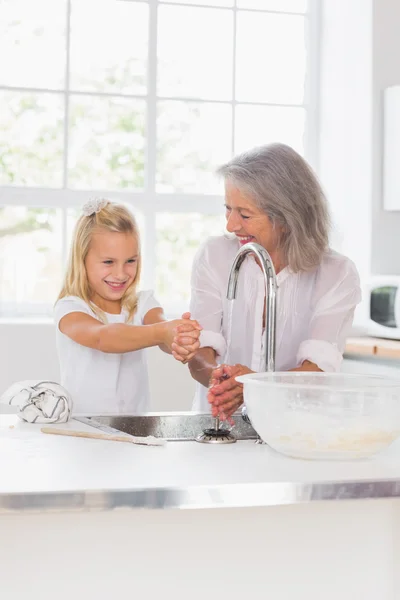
{"x":111,"y":266}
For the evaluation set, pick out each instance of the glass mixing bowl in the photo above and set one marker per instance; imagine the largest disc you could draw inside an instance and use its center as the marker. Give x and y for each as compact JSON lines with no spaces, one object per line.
{"x":333,"y":416}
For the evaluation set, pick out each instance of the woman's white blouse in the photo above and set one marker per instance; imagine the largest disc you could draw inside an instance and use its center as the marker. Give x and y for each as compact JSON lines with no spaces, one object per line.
{"x":314,"y":313}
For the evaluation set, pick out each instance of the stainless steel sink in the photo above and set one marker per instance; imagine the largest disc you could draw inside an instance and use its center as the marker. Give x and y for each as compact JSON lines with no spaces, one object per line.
{"x":172,"y":426}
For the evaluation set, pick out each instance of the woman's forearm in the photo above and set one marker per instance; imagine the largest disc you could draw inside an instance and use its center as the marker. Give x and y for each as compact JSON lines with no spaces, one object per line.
{"x":154,"y":316}
{"x":202,"y":365}
{"x":307,"y":365}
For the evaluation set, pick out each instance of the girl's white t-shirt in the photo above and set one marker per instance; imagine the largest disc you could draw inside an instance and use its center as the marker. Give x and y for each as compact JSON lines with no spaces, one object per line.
{"x":103,"y":383}
{"x":314,"y":310}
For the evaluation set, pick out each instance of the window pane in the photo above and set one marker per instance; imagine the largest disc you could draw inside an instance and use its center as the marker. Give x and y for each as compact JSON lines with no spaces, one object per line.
{"x":106,"y":143}
{"x":32,"y":37}
{"x":193,"y":139}
{"x":203,"y":2}
{"x":109,"y":46}
{"x":187,"y":66}
{"x":31,"y":139}
{"x":259,"y":125}
{"x":30,"y":260}
{"x":178,"y":238}
{"x":297,"y":6}
{"x":271,"y":58}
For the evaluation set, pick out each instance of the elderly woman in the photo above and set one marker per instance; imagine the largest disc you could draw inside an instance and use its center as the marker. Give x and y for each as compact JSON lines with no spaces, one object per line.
{"x":272,"y":198}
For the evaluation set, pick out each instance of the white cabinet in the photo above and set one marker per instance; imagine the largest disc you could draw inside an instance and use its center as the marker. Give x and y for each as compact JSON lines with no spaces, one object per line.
{"x":391,"y":148}
{"x":371,"y":367}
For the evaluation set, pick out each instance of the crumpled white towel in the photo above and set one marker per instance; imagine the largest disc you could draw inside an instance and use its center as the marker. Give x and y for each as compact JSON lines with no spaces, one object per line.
{"x":39,"y":401}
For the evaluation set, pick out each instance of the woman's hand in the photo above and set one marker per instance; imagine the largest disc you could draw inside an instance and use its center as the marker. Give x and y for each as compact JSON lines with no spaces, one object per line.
{"x":225,"y":394}
{"x":186,"y":339}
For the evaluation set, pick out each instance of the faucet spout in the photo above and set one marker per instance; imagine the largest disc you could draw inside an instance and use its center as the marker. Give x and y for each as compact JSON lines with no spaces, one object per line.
{"x":271,"y":288}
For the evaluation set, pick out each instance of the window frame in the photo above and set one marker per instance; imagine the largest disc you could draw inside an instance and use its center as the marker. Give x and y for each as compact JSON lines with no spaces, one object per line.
{"x":148,"y":201}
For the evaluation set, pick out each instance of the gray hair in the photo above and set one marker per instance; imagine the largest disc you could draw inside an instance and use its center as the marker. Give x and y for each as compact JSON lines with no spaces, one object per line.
{"x":284,"y":187}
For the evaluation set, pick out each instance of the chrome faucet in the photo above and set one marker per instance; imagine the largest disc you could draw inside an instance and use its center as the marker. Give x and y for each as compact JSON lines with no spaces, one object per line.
{"x":271,"y":288}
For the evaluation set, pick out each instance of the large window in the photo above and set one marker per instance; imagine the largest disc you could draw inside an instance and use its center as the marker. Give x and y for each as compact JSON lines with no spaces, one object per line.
{"x":139,"y":102}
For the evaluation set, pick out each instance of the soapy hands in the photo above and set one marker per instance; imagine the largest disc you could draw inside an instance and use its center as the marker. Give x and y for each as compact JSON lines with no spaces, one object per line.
{"x":225,"y":394}
{"x":185,"y":338}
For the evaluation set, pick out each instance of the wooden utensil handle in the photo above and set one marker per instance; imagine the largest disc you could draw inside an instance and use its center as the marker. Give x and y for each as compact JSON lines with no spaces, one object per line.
{"x":87,"y":434}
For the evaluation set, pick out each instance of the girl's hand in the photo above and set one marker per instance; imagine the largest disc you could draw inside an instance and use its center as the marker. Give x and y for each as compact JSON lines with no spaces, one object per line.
{"x":190,"y":333}
{"x":225,"y":394}
{"x":186,"y":341}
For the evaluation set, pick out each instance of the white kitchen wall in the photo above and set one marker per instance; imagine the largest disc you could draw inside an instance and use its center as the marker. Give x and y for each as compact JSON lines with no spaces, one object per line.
{"x":360,"y":56}
{"x":345,"y":140}
{"x":385,"y":247}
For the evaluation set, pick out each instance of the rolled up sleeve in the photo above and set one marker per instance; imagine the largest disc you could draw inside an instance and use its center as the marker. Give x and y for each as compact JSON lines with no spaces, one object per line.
{"x":337,"y":294}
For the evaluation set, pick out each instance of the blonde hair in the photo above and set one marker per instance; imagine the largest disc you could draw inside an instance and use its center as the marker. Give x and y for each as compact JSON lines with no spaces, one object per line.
{"x":284,"y":187}
{"x":114,"y":218}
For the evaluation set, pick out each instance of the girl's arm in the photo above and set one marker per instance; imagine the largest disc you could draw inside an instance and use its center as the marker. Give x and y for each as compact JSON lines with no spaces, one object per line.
{"x":118,"y":337}
{"x":153,"y":316}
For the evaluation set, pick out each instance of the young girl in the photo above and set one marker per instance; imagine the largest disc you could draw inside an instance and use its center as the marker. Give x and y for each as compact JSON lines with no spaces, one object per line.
{"x":103,"y":322}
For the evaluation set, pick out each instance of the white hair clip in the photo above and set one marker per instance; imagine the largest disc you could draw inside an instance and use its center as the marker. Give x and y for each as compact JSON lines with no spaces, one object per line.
{"x":93,"y":206}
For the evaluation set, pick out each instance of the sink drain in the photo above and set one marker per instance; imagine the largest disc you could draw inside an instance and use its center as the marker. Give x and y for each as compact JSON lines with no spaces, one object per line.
{"x":215,"y":435}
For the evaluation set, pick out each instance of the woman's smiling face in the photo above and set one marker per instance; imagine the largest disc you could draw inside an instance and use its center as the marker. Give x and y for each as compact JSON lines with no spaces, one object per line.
{"x":248,"y":222}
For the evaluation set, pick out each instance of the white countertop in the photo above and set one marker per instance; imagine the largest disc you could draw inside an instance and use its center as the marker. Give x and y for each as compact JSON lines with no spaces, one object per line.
{"x":39,"y":466}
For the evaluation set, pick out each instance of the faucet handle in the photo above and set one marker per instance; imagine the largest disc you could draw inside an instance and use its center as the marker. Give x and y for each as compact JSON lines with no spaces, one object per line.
{"x":245,"y":416}
{"x":246,"y":419}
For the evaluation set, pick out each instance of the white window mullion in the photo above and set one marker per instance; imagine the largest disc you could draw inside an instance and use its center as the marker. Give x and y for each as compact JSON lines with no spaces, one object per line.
{"x":64,"y":234}
{"x":149,"y":249}
{"x":66,"y":96}
{"x":90,"y":94}
{"x":312,"y":83}
{"x":147,"y":201}
{"x":58,"y":198}
{"x":150,"y":235}
{"x":234,"y":76}
{"x":151,"y":115}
